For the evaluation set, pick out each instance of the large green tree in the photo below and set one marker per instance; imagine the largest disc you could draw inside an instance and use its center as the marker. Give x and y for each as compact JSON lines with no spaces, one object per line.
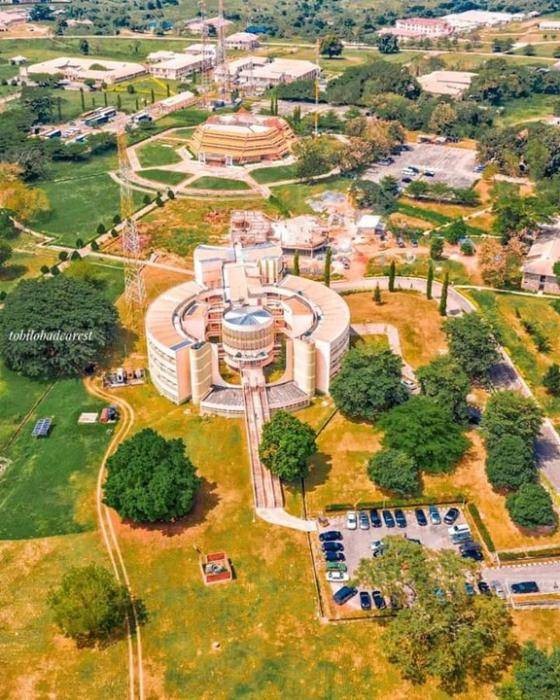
{"x":150,"y":479}
{"x":511,"y":413}
{"x":90,"y":606}
{"x":425,"y":429}
{"x":77,"y":322}
{"x":331,"y":46}
{"x":472,"y":344}
{"x":286,"y":446}
{"x":531,"y":506}
{"x":438,"y":630}
{"x":444,"y":380}
{"x":394,"y":471}
{"x":368,"y":383}
{"x":510,"y":463}
{"x":535,"y":675}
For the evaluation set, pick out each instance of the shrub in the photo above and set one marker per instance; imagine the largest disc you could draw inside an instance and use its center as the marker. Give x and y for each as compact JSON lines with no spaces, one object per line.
{"x":531,"y":506}
{"x":394,"y":471}
{"x":286,"y":446}
{"x":510,"y":463}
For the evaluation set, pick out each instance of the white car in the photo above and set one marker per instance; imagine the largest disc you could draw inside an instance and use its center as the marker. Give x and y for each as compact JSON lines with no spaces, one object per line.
{"x":377,"y":547}
{"x":351,"y":520}
{"x":337,"y":576}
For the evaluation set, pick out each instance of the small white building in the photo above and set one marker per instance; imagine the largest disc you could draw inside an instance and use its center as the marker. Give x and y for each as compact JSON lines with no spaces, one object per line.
{"x":474,"y":19}
{"x":209,"y":50}
{"x":198,"y":26}
{"x":242,"y":41}
{"x":370,"y":225}
{"x":538,"y":269}
{"x":446,"y":82}
{"x":419,"y":27}
{"x":158,"y":56}
{"x":276,"y":72}
{"x":179,"y":66}
{"x":550,"y":25}
{"x":19,"y":60}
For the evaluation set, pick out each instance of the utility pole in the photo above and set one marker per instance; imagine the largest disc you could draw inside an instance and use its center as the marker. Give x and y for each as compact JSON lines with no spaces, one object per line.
{"x":317,"y":53}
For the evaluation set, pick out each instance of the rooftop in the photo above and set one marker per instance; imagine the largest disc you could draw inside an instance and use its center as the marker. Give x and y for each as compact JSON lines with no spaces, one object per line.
{"x":248,"y":316}
{"x":543,"y":254}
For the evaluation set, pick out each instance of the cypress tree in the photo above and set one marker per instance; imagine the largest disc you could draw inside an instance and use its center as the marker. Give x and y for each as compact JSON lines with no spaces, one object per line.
{"x":392,"y":275}
{"x":430,"y":279}
{"x":153,"y":95}
{"x":105,"y":99}
{"x":296,"y":263}
{"x":82,"y":99}
{"x":377,"y":295}
{"x":443,"y":299}
{"x":328,"y":259}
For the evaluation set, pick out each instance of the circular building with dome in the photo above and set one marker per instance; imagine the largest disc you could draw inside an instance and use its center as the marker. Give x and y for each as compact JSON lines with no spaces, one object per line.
{"x":243,"y":312}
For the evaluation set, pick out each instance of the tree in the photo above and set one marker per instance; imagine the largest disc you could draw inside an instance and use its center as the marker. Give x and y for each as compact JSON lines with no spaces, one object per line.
{"x":392,"y":275}
{"x":315,"y":157}
{"x":551,"y":380}
{"x":436,"y":624}
{"x":426,"y":431}
{"x":377,"y":295}
{"x":90,"y":606}
{"x":70,"y":322}
{"x":394,"y":471}
{"x":443,"y":119}
{"x":5,"y":252}
{"x":531,"y":506}
{"x":456,"y":231}
{"x":327,"y":271}
{"x":286,"y":446}
{"x":150,"y":479}
{"x":84,"y":47}
{"x":511,"y":413}
{"x":296,"y":263}
{"x":510,"y":463}
{"x":535,"y":675}
{"x":387,"y":43}
{"x":381,"y":197}
{"x":515,"y":215}
{"x":436,"y":247}
{"x":472,"y":344}
{"x":430,"y":279}
{"x":443,"y":298}
{"x":17,"y":198}
{"x":444,"y":381}
{"x":368,"y":383}
{"x":331,"y":46}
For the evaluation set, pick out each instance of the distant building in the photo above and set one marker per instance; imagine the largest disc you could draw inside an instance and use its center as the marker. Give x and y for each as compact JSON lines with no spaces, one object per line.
{"x":474,"y":19}
{"x":80,"y":69}
{"x":304,"y":234}
{"x":245,"y":41}
{"x":209,"y":50}
{"x":538,"y":269}
{"x":419,"y":27}
{"x":19,"y":60}
{"x":370,"y":225}
{"x":233,"y":139}
{"x":179,"y":66}
{"x":172,"y":104}
{"x":446,"y":82}
{"x":198,"y":26}
{"x":248,"y":227}
{"x":158,"y":56}
{"x":550,"y":25}
{"x":79,"y":23}
{"x":11,"y":17}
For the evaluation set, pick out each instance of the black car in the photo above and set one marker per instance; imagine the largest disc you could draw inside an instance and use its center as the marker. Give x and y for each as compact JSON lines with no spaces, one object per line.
{"x":378,"y":600}
{"x":451,"y":516}
{"x":334,"y":556}
{"x":374,"y":517}
{"x":365,"y":600}
{"x":400,"y":517}
{"x":388,"y":518}
{"x":472,"y":553}
{"x":332,"y":547}
{"x":344,"y":594}
{"x":525,"y":587}
{"x":484,"y":588}
{"x":420,"y":517}
{"x":330,"y":536}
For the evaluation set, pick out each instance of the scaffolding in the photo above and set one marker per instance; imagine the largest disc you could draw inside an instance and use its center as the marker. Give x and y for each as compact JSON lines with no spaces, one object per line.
{"x":134,"y":289}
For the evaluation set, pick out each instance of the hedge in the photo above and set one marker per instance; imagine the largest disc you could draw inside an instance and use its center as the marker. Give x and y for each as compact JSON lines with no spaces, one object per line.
{"x":483,"y":530}
{"x":546,"y":553}
{"x":398,"y":503}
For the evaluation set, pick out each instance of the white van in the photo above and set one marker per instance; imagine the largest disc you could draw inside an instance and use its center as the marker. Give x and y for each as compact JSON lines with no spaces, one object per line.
{"x":459,"y":533}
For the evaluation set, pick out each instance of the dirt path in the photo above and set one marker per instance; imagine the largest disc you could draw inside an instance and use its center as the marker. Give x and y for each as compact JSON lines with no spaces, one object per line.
{"x":134,"y":639}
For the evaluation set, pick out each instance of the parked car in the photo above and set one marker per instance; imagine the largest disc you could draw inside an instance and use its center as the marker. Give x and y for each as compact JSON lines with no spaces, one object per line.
{"x":386,"y":161}
{"x":378,"y":600}
{"x":420,"y":517}
{"x":344,"y":594}
{"x":388,"y":518}
{"x":451,"y":516}
{"x":483,"y":588}
{"x":334,"y":556}
{"x":429,"y":173}
{"x":498,"y":589}
{"x":351,"y":520}
{"x":406,"y":179}
{"x":377,"y":547}
{"x":337,"y":576}
{"x":336,"y":566}
{"x":330,"y":536}
{"x":332,"y":547}
{"x":400,"y":517}
{"x":435,"y":517}
{"x":471,"y":550}
{"x":375,"y":517}
{"x":364,"y":520}
{"x":524,"y":587}
{"x":365,"y":600}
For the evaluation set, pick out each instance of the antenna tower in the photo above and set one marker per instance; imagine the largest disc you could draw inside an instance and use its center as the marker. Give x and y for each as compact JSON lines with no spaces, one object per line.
{"x":221,"y":52}
{"x":316,"y":116}
{"x":204,"y":79}
{"x":134,"y":289}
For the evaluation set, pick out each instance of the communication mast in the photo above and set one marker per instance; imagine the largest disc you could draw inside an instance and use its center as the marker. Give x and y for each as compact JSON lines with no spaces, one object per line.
{"x":204,"y":81}
{"x":317,"y":53}
{"x":221,"y":50}
{"x":134,"y":289}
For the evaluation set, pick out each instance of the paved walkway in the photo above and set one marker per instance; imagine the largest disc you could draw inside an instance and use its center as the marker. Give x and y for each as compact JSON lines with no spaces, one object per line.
{"x":393,"y":337}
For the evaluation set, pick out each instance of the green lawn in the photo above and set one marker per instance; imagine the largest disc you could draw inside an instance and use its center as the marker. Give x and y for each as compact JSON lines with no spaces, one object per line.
{"x":294,"y":197}
{"x":47,"y":486}
{"x":153,"y":154}
{"x":167,"y":177}
{"x":528,"y":108}
{"x":23,"y":265}
{"x":275,"y":174}
{"x":219,"y":183}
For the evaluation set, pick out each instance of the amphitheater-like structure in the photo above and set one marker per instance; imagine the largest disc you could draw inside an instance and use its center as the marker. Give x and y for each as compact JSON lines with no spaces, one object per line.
{"x":241,"y":313}
{"x":240,"y":138}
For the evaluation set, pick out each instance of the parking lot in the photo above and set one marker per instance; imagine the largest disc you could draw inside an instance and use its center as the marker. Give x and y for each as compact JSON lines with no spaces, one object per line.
{"x":357,"y":543}
{"x":452,"y":165}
